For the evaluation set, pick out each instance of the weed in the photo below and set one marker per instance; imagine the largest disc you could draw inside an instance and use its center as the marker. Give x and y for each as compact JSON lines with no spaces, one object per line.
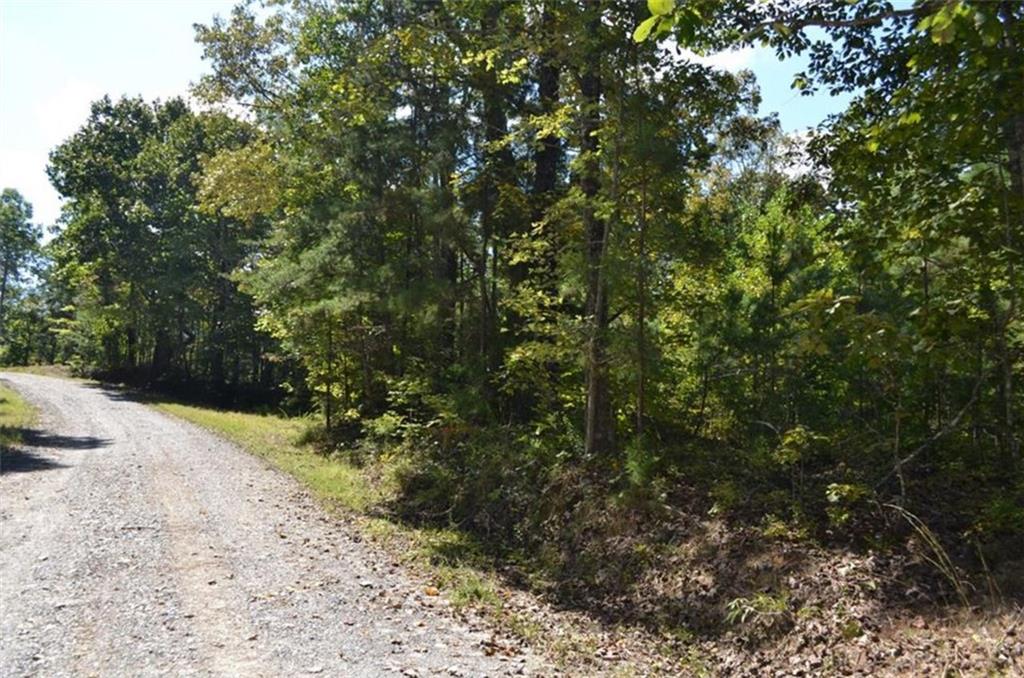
{"x":467,"y":587}
{"x":763,"y":611}
{"x":851,"y":629}
{"x":938,"y":558}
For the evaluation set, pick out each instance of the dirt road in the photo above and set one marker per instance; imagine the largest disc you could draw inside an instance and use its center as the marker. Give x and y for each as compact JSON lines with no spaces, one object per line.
{"x":135,"y":544}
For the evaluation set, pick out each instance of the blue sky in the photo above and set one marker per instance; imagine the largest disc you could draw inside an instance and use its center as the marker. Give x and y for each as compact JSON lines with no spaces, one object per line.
{"x":56,"y":56}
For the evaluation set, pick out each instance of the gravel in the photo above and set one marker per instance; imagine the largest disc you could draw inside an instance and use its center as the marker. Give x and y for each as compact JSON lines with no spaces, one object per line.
{"x":132,"y":543}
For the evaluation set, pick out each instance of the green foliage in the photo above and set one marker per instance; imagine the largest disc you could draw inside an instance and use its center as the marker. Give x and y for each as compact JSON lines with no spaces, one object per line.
{"x":661,"y":19}
{"x":19,"y":250}
{"x":843,"y":499}
{"x":560,"y":279}
{"x":140,"y":271}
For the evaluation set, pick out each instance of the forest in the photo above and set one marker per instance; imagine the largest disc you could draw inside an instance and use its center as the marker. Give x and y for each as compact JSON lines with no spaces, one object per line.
{"x":570,"y":275}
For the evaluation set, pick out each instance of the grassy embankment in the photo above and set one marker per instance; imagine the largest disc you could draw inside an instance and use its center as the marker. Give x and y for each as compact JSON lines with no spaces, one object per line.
{"x":448,"y":559}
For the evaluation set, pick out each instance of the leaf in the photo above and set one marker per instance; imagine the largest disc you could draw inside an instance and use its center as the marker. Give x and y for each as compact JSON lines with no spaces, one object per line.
{"x":665,"y":26}
{"x":943,"y":30}
{"x":944,"y":35}
{"x":991,"y":30}
{"x":911,"y":118}
{"x":661,"y":7}
{"x":644,"y":29}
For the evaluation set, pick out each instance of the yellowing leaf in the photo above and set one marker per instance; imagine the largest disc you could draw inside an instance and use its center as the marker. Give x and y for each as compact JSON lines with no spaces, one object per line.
{"x":944,"y":35}
{"x":644,"y":29}
{"x":911,"y":118}
{"x":661,"y":7}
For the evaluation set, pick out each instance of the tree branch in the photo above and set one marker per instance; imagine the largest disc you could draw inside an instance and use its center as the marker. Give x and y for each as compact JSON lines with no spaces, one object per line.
{"x":794,"y":23}
{"x":941,"y":433}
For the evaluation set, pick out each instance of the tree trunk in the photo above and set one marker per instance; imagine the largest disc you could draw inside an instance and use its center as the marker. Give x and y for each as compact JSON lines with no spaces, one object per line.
{"x":641,"y":313}
{"x":599,"y":426}
{"x":1013,"y":134}
{"x":498,"y":166}
{"x":641,"y":310}
{"x":548,"y":157}
{"x":3,"y":298}
{"x":161,"y":355}
{"x":1013,"y":126}
{"x":329,"y":381}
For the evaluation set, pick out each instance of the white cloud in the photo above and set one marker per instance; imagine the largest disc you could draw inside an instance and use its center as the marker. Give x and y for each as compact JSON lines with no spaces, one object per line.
{"x":731,"y":60}
{"x":25,"y":144}
{"x":26,"y":140}
{"x":26,"y":171}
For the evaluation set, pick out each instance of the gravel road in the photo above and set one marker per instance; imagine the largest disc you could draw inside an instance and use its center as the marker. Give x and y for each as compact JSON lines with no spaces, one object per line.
{"x":135,"y":544}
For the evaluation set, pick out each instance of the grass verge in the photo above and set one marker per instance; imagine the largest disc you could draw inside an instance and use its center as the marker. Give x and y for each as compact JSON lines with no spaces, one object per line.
{"x":448,"y":559}
{"x":276,"y":439}
{"x":59,"y":371}
{"x":15,"y":414}
{"x":446,"y":554}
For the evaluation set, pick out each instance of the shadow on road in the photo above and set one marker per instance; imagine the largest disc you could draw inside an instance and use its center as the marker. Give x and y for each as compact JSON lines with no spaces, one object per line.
{"x":22,"y":461}
{"x":20,"y":458}
{"x":121,"y":393}
{"x":31,"y":437}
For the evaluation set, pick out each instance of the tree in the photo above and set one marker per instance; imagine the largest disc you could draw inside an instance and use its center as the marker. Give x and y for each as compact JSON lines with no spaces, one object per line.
{"x":19,"y":244}
{"x":148,"y":270}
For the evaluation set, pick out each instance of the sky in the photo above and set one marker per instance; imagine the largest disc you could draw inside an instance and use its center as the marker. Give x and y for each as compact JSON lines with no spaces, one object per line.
{"x":57,"y":56}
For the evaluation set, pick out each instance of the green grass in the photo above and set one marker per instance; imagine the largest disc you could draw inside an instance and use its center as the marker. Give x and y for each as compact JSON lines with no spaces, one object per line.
{"x":15,"y":414}
{"x":276,"y":439}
